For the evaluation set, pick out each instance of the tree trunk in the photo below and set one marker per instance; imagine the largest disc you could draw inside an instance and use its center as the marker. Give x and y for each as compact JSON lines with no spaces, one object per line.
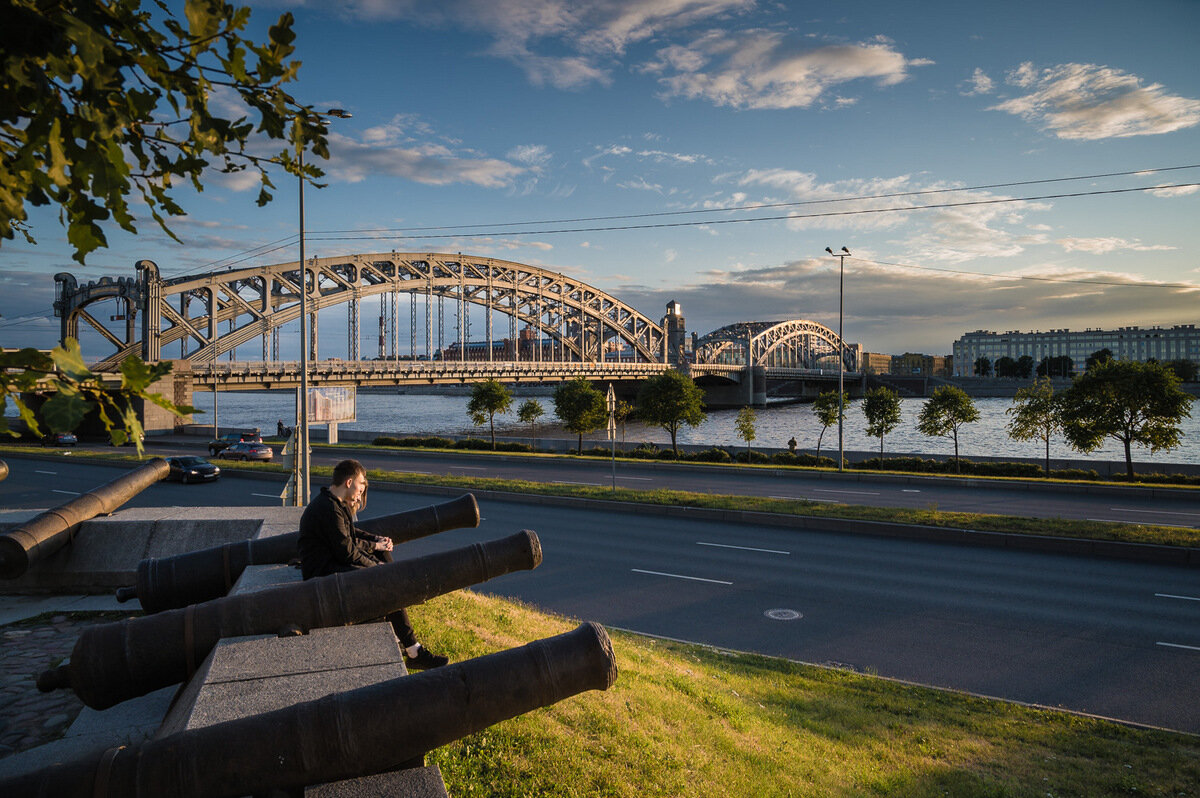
{"x":957,"y":469}
{"x":880,"y":452}
{"x":492,"y":425}
{"x":1128,"y":461}
{"x":1047,"y":455}
{"x":580,"y":449}
{"x":819,"y":437}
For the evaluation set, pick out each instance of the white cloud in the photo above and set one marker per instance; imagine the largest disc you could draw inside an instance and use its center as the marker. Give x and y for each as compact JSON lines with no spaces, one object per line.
{"x":640,"y":184}
{"x":765,"y":69}
{"x":980,"y":83}
{"x":1174,"y":191}
{"x":1089,"y":102}
{"x":429,"y":163}
{"x":1100,"y":246}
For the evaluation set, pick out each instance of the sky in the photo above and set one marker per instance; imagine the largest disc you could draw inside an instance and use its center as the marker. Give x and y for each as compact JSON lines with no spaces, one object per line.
{"x":934,"y":140}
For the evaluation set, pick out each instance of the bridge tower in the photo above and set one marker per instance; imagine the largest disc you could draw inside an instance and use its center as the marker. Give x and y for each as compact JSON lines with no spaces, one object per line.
{"x":675,"y":333}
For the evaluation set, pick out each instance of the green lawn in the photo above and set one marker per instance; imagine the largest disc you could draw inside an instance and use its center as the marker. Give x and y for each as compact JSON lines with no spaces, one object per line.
{"x":687,"y":720}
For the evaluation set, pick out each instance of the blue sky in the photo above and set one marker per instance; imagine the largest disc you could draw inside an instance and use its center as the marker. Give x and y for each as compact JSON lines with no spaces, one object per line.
{"x":498,"y":112}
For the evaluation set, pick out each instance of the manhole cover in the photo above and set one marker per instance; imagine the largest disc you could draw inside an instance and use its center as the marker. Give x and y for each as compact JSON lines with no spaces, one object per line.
{"x":783,"y":615}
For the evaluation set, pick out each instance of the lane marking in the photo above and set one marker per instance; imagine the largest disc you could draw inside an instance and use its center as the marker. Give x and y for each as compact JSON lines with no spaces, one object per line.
{"x":909,"y":490}
{"x":470,"y":468}
{"x":1185,"y":598}
{"x":806,"y":499}
{"x":741,"y":548}
{"x":1154,"y":512}
{"x":266,"y":495}
{"x":68,"y":492}
{"x":681,"y":576}
{"x":567,"y":482}
{"x":51,"y":473}
{"x":1178,"y":645}
{"x":640,"y":479}
{"x":852,"y":492}
{"x":1127,"y":521}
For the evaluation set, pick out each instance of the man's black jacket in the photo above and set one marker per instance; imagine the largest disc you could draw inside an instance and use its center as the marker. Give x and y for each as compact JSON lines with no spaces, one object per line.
{"x":328,"y":540}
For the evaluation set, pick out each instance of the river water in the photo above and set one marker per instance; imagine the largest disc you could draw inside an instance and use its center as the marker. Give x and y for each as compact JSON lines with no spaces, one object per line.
{"x":420,"y":414}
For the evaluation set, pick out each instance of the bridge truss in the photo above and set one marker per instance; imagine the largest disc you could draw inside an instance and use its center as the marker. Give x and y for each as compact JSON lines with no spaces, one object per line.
{"x":210,"y":315}
{"x":791,"y":344}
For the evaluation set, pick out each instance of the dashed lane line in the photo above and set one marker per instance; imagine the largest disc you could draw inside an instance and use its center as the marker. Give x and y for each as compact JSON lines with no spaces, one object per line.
{"x":681,"y":576}
{"x":741,"y":548}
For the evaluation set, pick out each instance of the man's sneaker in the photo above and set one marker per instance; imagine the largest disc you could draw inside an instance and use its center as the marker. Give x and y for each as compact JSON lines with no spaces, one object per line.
{"x":425,"y":660}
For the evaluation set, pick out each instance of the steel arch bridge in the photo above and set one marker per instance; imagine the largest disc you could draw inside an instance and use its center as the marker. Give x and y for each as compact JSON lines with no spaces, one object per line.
{"x":581,"y":321}
{"x":791,"y":344}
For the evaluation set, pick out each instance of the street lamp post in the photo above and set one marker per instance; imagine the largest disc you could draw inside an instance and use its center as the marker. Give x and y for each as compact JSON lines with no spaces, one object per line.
{"x":841,"y":350}
{"x":303,"y":454}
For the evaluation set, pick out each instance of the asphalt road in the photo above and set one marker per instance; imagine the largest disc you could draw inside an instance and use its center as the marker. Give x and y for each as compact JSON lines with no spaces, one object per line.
{"x":1181,"y":511}
{"x":1113,"y":638}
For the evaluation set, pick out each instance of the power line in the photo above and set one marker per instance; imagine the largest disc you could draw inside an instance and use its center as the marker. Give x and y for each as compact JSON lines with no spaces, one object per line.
{"x":710,"y":222}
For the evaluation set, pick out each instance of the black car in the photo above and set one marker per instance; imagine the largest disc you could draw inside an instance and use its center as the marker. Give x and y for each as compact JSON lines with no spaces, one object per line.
{"x":230,"y":438}
{"x":60,"y":439}
{"x":189,"y":468}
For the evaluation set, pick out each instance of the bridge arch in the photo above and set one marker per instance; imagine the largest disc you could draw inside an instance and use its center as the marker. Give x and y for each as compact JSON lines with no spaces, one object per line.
{"x":256,"y":302}
{"x":794,"y":343}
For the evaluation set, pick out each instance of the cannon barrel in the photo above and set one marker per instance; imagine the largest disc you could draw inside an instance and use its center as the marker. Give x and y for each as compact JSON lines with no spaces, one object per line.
{"x":50,"y":531}
{"x":3,"y":470}
{"x":117,"y":661}
{"x":172,"y":582}
{"x":369,"y":730}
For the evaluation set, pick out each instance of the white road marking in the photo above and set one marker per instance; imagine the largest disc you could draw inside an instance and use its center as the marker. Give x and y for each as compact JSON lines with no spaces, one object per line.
{"x":1178,"y":645}
{"x":68,"y":492}
{"x":51,"y":473}
{"x":909,"y":490}
{"x":471,"y":468}
{"x":1127,"y":521}
{"x":266,"y":495}
{"x":1153,"y":512}
{"x":853,"y":492}
{"x":640,"y":479}
{"x":567,"y":482}
{"x":806,"y":499}
{"x":681,"y":576}
{"x":741,"y":548}
{"x":1185,"y":598}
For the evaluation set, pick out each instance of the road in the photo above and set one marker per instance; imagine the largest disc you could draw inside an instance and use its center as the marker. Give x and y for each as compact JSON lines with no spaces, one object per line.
{"x":1117,"y":639}
{"x":1163,"y":510}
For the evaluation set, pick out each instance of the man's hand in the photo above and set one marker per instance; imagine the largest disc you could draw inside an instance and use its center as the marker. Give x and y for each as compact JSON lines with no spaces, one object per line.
{"x":383,"y":544}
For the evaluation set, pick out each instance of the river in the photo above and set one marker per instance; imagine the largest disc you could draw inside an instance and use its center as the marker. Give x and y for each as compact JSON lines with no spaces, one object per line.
{"x":420,"y":414}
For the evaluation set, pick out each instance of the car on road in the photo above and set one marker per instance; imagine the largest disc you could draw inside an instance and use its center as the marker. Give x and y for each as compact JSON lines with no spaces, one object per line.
{"x":246,"y":450}
{"x":230,"y":438}
{"x":60,"y":439}
{"x":190,"y":468}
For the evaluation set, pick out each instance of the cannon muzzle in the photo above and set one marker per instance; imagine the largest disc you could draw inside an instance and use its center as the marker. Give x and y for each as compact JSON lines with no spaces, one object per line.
{"x":117,"y":661}
{"x":172,"y":582}
{"x":3,"y":470}
{"x":50,"y":531}
{"x":369,"y":730}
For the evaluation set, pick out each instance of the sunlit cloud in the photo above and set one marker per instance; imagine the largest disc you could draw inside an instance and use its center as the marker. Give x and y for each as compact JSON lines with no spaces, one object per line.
{"x":767,"y":69}
{"x":1100,"y":246}
{"x":1089,"y":102}
{"x":430,"y":163}
{"x":1174,"y":191}
{"x":980,"y":83}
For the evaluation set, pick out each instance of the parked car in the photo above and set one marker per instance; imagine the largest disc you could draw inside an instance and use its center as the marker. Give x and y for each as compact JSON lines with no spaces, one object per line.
{"x":246,"y":450}
{"x":230,"y":438}
{"x":60,"y":439}
{"x":190,"y":468}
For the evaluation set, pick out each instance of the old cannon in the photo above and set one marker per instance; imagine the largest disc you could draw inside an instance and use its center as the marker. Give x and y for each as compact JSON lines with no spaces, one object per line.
{"x":50,"y":531}
{"x":117,"y":661}
{"x":359,"y":732}
{"x":172,"y":582}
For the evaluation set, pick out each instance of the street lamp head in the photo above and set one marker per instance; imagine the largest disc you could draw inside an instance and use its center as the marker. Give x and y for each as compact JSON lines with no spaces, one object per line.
{"x":340,"y":113}
{"x":830,"y":251}
{"x":845,"y":250}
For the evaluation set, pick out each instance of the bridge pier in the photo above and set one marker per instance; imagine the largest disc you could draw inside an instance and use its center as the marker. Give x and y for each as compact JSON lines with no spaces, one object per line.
{"x":750,"y":389}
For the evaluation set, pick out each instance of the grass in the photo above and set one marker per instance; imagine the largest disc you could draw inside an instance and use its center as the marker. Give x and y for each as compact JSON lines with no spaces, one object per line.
{"x":687,"y":720}
{"x":928,"y":516}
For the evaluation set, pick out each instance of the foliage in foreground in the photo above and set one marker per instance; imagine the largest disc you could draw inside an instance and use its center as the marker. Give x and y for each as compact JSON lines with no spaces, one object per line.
{"x":687,"y":720}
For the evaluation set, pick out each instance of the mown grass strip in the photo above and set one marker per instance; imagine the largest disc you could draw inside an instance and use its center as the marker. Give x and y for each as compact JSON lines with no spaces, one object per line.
{"x":686,"y":720}
{"x":928,"y":516}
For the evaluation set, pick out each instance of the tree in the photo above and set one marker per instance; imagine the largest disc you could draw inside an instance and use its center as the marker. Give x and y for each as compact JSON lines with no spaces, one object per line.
{"x":487,"y":399}
{"x":1099,"y":356}
{"x":825,"y":407}
{"x":881,"y":406}
{"x":670,"y":400}
{"x":77,"y":391}
{"x":1058,"y":366}
{"x":621,"y":414}
{"x":529,"y":412}
{"x":1005,"y":367}
{"x":946,"y":411}
{"x":1035,"y":414}
{"x":580,"y":407}
{"x":983,"y":367}
{"x":1185,"y":370}
{"x":1127,"y":401}
{"x":1025,"y":366}
{"x":102,"y":102}
{"x":745,"y":421}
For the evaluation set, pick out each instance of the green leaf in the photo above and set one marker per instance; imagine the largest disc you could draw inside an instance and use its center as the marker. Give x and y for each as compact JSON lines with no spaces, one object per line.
{"x":69,"y":360}
{"x":64,"y":411}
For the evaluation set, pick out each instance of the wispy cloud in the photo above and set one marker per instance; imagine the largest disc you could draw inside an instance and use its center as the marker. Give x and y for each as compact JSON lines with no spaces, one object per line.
{"x":430,"y":163}
{"x":1100,"y":246}
{"x":763,"y":69}
{"x":980,"y":83}
{"x":1088,"y":102}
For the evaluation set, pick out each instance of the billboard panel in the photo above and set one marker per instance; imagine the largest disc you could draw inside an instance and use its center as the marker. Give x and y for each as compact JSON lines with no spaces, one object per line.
{"x":332,"y":404}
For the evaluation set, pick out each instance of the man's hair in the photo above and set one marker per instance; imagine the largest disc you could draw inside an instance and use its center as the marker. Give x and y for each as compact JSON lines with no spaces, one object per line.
{"x":347,"y":469}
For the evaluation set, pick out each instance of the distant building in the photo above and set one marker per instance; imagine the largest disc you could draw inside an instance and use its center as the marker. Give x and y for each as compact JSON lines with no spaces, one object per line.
{"x":913,"y":364}
{"x":1181,"y":342}
{"x":876,"y":363}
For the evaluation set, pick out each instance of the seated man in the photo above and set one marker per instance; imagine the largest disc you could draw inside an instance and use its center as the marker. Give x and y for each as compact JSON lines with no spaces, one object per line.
{"x":329,"y":544}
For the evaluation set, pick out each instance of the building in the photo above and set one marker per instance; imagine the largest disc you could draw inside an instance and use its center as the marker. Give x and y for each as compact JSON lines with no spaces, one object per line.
{"x":876,"y":363}
{"x":913,"y":364}
{"x":1181,"y":342}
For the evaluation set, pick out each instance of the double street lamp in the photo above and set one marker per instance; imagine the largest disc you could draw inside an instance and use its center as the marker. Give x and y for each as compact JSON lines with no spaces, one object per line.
{"x":302,"y":455}
{"x":841,"y":256}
